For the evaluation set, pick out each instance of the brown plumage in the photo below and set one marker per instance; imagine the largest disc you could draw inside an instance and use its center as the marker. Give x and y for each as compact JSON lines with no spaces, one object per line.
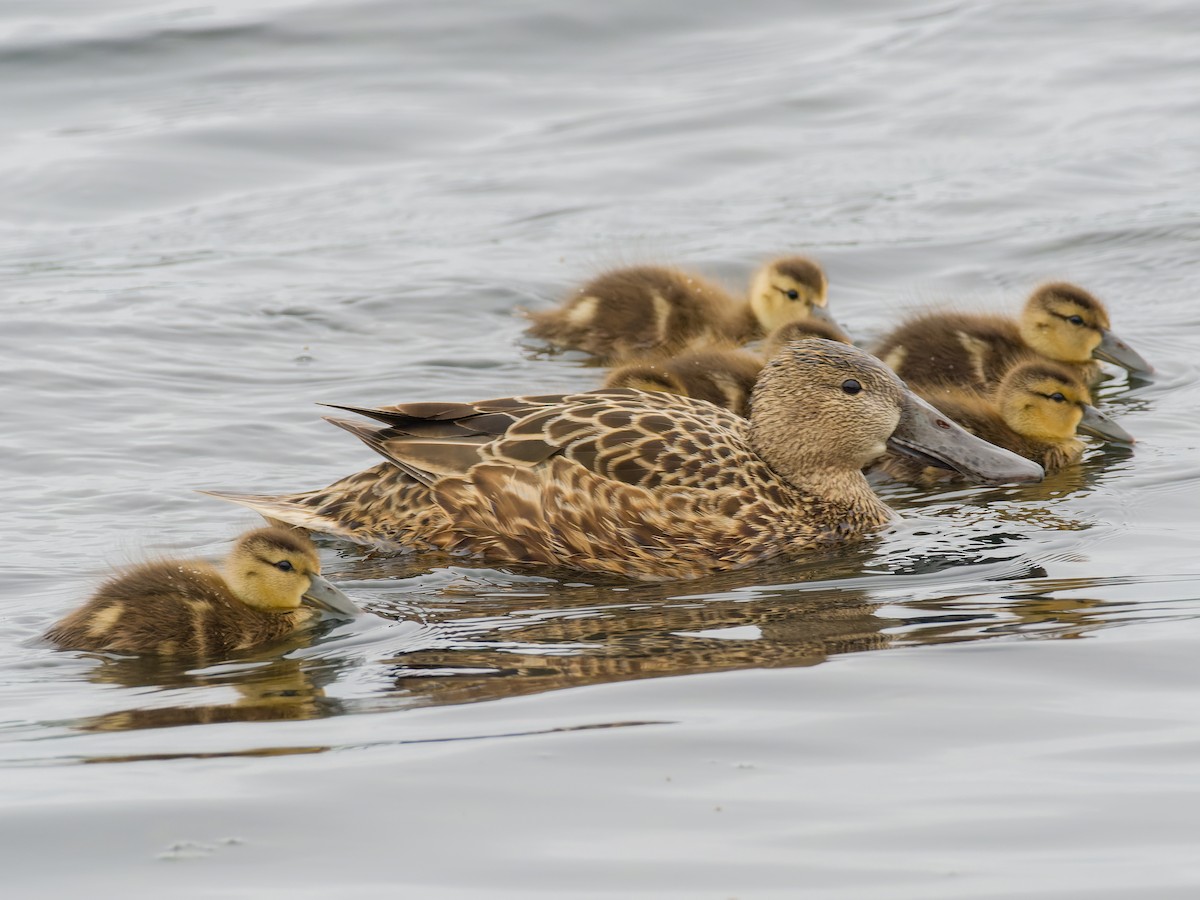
{"x":632,"y":312}
{"x":1034,"y":412}
{"x":187,"y":608}
{"x":1060,"y":322}
{"x":628,"y":482}
{"x":723,"y":376}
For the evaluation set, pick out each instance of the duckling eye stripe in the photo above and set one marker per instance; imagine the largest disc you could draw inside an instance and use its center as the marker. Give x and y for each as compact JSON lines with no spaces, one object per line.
{"x":1083,"y":324}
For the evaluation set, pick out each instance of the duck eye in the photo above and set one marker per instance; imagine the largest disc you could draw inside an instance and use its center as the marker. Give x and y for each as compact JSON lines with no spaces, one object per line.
{"x":284,"y":566}
{"x":1075,"y":320}
{"x":793,"y":294}
{"x":850,"y":386}
{"x":1057,"y":397}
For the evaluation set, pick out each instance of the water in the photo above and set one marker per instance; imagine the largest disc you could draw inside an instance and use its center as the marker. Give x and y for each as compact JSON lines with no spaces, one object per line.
{"x":215,"y":216}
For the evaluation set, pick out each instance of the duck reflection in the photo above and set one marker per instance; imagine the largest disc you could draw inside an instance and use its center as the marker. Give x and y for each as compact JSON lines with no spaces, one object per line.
{"x":505,"y":646}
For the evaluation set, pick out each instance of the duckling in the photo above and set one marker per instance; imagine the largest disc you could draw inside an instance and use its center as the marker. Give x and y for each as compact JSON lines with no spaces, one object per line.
{"x":187,"y":608}
{"x":644,"y":484}
{"x":1060,"y":322}
{"x":643,"y":310}
{"x":721,"y":375}
{"x":1035,"y":412}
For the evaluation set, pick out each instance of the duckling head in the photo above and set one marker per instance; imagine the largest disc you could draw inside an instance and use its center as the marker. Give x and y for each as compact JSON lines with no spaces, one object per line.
{"x":802,"y":331}
{"x":276,"y":569}
{"x":646,"y":377}
{"x":792,"y":289}
{"x":1047,"y":402}
{"x":824,"y":407}
{"x":1065,"y":322}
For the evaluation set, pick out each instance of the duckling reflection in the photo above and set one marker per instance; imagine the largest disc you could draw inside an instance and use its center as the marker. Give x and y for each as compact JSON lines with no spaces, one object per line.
{"x":277,"y":690}
{"x":631,"y":312}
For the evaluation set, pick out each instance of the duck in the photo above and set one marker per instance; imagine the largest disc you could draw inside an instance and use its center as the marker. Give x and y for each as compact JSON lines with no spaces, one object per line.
{"x":722,"y":375}
{"x":642,"y":484}
{"x":1060,"y":322}
{"x":1036,"y":411}
{"x":189,"y":608}
{"x":645,"y":310}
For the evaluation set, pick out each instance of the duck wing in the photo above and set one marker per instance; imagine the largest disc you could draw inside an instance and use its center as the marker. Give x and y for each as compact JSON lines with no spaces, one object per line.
{"x":643,"y":438}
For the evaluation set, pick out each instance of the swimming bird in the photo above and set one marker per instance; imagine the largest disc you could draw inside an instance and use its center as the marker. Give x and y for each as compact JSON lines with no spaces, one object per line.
{"x":643,"y":484}
{"x":1035,"y":412}
{"x":632,"y":312}
{"x":1060,"y":322}
{"x":187,"y":608}
{"x":722,"y":375}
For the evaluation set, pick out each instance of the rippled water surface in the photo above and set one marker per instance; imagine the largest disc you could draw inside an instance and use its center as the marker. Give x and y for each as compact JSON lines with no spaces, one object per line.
{"x":214,"y":216}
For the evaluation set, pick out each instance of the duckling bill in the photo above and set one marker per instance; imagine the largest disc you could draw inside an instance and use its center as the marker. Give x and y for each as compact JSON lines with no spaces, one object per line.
{"x":645,"y":485}
{"x":190,"y":609}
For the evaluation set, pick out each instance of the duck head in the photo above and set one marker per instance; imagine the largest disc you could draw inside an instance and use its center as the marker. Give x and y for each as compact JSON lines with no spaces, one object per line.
{"x":824,"y":407}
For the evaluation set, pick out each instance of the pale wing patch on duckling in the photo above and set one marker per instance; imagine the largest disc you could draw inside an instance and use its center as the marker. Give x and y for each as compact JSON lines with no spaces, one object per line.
{"x":894,"y":358}
{"x":978,"y":353}
{"x":103,"y":620}
{"x":582,"y":313}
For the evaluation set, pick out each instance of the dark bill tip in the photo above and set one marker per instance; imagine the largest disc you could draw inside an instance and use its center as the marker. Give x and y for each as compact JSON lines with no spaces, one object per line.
{"x":324,"y":595}
{"x":1099,"y":425}
{"x":1114,"y":350}
{"x":928,"y":436}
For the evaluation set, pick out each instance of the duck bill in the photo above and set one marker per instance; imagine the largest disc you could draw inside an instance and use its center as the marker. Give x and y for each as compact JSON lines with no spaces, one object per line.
{"x":822,"y":314}
{"x":927,"y":436}
{"x":1099,"y":425}
{"x":1114,"y":350}
{"x":325,"y":596}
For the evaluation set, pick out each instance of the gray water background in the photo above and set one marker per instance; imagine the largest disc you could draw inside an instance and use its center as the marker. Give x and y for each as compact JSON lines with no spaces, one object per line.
{"x":214,"y":216}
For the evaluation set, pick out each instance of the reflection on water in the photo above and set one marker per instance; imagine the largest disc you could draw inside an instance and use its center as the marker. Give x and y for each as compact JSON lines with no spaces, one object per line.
{"x":490,"y":635}
{"x":277,"y":688}
{"x":487,"y":634}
